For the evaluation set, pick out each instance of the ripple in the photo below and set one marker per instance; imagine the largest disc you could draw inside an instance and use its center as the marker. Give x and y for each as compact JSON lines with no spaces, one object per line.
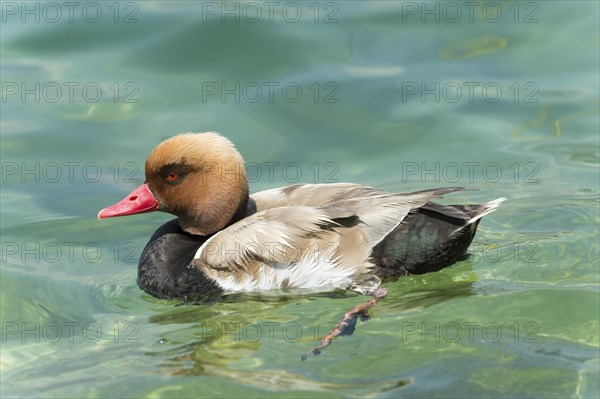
{"x":474,"y":48}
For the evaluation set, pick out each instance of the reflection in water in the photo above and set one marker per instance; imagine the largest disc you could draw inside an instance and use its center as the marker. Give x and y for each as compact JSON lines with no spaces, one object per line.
{"x":225,"y":338}
{"x":423,"y":291}
{"x":214,"y":358}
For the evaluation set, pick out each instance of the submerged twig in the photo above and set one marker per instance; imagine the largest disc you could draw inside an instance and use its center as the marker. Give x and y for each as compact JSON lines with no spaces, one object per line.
{"x":348,"y":321}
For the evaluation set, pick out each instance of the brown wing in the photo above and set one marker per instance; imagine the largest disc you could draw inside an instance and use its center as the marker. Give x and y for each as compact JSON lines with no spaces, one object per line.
{"x":287,"y":246}
{"x":380,"y":211}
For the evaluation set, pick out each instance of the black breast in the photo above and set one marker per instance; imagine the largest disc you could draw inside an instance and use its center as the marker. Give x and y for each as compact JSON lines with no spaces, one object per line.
{"x":165,"y":269}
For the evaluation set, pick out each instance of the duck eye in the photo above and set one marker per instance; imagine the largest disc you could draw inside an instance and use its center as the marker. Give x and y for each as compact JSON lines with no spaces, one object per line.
{"x":172,"y":176}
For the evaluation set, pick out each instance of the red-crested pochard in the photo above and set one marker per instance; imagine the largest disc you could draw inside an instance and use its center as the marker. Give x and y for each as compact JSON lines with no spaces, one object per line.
{"x":317,"y":236}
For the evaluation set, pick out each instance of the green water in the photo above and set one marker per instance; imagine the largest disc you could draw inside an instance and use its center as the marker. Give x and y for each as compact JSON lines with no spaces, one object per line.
{"x":500,"y":96}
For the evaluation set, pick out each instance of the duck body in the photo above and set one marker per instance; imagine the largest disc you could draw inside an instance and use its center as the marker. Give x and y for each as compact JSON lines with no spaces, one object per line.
{"x":305,"y":236}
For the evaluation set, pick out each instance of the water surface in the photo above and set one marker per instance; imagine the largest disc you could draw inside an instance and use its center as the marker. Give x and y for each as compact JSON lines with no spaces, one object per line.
{"x":502,"y":97}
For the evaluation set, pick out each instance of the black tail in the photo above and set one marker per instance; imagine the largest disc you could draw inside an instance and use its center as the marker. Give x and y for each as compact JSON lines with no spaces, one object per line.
{"x":429,"y":238}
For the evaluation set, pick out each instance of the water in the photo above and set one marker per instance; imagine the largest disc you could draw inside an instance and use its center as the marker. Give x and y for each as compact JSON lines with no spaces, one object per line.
{"x":502,"y":97}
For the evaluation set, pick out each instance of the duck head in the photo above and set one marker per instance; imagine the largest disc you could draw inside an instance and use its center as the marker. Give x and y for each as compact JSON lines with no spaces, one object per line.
{"x":198,"y":177}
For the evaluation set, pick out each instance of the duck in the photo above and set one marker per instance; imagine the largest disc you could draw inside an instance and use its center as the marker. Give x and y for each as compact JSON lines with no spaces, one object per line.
{"x":319,"y":237}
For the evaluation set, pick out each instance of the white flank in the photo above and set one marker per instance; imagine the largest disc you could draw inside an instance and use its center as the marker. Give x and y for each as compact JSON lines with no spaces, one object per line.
{"x":308,"y":273}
